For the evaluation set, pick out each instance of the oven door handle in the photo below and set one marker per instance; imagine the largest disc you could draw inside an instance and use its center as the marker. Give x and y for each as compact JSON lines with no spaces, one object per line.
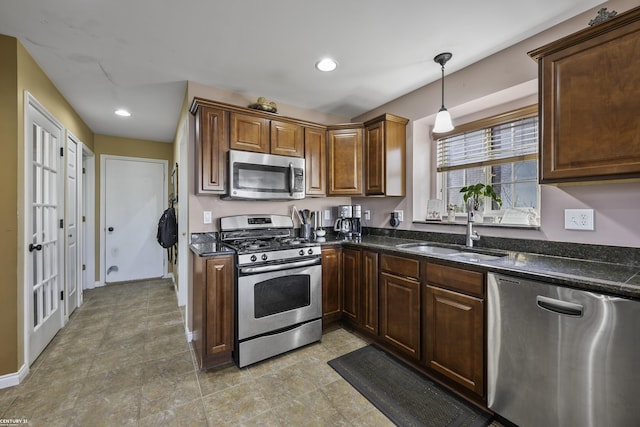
{"x":267,"y":268}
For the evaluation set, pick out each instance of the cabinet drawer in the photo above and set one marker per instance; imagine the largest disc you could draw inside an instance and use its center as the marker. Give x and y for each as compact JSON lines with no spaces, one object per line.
{"x":458,"y":279}
{"x":399,"y":265}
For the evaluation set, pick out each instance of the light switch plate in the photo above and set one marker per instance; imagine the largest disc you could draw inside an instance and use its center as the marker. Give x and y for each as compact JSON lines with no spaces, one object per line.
{"x":579,"y":219}
{"x":207,"y":217}
{"x":400,"y":215}
{"x":367,"y":215}
{"x":327,"y":214}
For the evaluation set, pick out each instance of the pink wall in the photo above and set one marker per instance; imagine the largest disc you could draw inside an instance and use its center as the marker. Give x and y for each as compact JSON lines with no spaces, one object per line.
{"x":500,"y":83}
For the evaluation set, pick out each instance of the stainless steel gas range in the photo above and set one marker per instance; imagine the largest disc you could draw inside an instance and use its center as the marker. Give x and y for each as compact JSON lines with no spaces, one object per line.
{"x":278,"y":286}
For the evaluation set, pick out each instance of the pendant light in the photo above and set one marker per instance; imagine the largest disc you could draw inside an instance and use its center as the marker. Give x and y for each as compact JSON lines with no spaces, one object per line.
{"x":443,"y":119}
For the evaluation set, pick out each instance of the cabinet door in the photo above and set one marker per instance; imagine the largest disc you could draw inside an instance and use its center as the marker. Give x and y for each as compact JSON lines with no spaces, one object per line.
{"x":212,"y":145}
{"x":370,"y":291}
{"x":345,"y":162}
{"x":315,"y":155}
{"x":590,"y":98}
{"x":454,"y":335}
{"x":374,"y":159}
{"x":351,"y":264}
{"x":331,"y":285}
{"x":287,"y":139}
{"x":219,"y":315}
{"x":249,"y":133}
{"x":400,"y":313}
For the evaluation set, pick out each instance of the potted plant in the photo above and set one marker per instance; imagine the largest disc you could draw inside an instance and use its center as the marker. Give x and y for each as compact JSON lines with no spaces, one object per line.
{"x":476,"y":192}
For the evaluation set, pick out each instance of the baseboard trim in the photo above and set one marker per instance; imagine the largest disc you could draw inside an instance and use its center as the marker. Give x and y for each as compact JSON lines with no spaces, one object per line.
{"x":10,"y":380}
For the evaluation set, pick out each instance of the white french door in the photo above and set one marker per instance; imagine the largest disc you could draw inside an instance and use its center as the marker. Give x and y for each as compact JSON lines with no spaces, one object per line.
{"x":71,"y":223}
{"x":134,"y":195}
{"x":44,"y":193}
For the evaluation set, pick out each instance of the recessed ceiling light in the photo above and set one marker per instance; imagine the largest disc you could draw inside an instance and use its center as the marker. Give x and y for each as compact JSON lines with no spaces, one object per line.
{"x":326,"y":64}
{"x":122,"y":112}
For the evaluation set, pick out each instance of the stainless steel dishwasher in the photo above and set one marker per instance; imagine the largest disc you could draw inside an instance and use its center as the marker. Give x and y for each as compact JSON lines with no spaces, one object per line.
{"x":558,"y":356}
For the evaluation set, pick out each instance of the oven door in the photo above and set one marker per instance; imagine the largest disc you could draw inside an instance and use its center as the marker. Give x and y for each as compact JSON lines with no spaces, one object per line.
{"x":274,"y":300}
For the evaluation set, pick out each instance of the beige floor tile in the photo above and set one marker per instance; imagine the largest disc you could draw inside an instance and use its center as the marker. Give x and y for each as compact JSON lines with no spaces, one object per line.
{"x":127,"y":378}
{"x":188,"y":415}
{"x":235,"y":405}
{"x":114,"y":409}
{"x":167,"y":367}
{"x":311,"y":409}
{"x":167,"y":393}
{"x":215,"y":380}
{"x":266,"y":419}
{"x":282,"y":386}
{"x":346,"y":399}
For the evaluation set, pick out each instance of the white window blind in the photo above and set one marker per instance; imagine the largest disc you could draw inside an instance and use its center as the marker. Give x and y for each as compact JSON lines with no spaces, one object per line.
{"x":502,"y":143}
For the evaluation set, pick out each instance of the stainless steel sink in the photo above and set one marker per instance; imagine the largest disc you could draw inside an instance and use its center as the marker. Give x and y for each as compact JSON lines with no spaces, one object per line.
{"x":435,"y":249}
{"x":475,"y":257}
{"x":427,"y":248}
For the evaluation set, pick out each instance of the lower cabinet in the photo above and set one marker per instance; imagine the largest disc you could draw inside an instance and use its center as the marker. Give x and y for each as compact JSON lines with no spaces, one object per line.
{"x":400,"y":304}
{"x":331,"y":286}
{"x":351,"y":264}
{"x":369,"y":289}
{"x":453,"y":330}
{"x":213,"y":310}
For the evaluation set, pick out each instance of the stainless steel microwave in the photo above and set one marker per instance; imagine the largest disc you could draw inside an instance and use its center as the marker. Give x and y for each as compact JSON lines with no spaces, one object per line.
{"x":257,"y":176}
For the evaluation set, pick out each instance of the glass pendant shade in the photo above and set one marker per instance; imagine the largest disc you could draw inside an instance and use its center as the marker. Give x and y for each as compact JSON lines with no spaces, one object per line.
{"x":443,"y":118}
{"x":443,"y":121}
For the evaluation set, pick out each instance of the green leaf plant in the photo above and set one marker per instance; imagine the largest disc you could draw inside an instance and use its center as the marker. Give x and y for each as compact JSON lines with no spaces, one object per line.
{"x":476,"y":191}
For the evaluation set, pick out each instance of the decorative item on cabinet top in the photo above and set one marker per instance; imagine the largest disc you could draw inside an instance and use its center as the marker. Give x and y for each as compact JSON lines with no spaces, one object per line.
{"x":264,"y":105}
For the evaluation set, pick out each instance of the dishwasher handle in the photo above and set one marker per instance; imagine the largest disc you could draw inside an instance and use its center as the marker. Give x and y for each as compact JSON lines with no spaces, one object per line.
{"x":560,"y":307}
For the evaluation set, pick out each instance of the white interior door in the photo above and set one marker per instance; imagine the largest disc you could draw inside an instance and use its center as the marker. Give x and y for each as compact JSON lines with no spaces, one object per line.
{"x":44,"y":194}
{"x":135,"y":193}
{"x":71,"y":223}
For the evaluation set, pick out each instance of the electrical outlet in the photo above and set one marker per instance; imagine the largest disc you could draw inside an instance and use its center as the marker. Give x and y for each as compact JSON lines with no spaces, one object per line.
{"x":207,"y":217}
{"x":367,"y":215}
{"x":399,"y":215}
{"x":579,"y":219}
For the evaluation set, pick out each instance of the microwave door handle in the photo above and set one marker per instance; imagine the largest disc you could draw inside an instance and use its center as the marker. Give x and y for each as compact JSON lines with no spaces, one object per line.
{"x":291,"y":179}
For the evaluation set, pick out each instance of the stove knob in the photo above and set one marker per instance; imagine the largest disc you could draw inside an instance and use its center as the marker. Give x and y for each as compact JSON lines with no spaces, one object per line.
{"x":264,"y":257}
{"x":310,"y":251}
{"x":301,"y":252}
{"x":253,"y":258}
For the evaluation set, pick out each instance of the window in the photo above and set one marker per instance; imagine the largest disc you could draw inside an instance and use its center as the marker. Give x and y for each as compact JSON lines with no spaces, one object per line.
{"x":500,"y":151}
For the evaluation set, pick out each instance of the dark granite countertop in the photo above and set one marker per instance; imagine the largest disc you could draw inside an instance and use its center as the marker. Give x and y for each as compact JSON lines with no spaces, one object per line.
{"x":603,"y":277}
{"x":210,"y":249}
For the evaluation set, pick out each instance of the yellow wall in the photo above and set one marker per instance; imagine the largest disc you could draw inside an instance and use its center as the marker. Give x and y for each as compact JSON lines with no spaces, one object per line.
{"x":127,"y":147}
{"x":20,"y":73}
{"x":8,"y":217}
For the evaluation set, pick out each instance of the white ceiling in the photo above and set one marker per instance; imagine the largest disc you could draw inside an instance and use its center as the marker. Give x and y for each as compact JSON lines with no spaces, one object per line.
{"x":138,"y":54}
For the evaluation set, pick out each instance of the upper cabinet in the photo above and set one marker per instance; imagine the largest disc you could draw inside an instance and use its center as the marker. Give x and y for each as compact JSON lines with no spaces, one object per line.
{"x":384,"y":152}
{"x":315,"y":155}
{"x":251,"y":132}
{"x":344,"y":148}
{"x":211,"y":134}
{"x":589,"y":103}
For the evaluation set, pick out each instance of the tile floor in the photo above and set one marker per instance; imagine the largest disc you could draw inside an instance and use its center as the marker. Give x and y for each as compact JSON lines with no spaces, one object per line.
{"x":123,"y":360}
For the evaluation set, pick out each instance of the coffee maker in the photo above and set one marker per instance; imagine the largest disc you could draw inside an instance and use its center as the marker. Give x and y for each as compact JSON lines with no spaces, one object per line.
{"x":343,"y":225}
{"x":356,"y":225}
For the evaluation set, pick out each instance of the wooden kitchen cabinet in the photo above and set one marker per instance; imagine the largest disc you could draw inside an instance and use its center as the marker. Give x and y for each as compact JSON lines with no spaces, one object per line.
{"x":249,"y":133}
{"x":254,"y":133}
{"x":315,"y":154}
{"x":589,"y":102}
{"x":351,"y":265}
{"x":331,"y":286}
{"x":400,"y":304}
{"x":369,"y":290}
{"x":212,"y":144}
{"x":453,"y":329}
{"x":213,"y":310}
{"x":385,"y":158}
{"x":344,"y":152}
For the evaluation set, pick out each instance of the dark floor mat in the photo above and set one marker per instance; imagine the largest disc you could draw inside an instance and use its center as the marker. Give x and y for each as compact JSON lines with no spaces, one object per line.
{"x":405,"y":396}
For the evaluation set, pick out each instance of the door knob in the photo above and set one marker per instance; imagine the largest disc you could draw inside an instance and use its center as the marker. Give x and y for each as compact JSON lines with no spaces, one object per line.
{"x":33,"y":247}
{"x":110,"y":229}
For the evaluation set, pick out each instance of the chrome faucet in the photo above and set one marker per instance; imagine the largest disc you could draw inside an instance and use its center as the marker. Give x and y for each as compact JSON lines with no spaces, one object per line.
{"x":471,"y":233}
